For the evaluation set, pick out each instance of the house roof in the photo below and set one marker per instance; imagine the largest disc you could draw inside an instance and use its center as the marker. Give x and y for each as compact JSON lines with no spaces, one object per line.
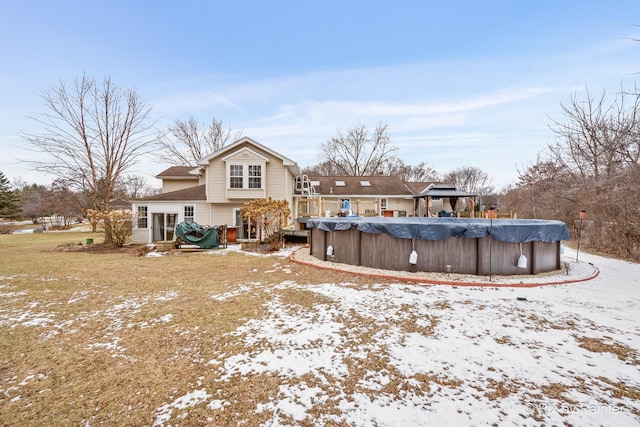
{"x":381,"y":185}
{"x":195,"y":193}
{"x":288,"y":163}
{"x":443,"y":190}
{"x":377,"y":185}
{"x":418,"y":187}
{"x":119,"y":204}
{"x":178,"y":172}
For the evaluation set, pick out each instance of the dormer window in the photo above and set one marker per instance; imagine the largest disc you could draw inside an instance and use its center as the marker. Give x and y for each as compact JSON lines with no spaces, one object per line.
{"x":235,"y":176}
{"x":255,"y":176}
{"x":245,"y":176}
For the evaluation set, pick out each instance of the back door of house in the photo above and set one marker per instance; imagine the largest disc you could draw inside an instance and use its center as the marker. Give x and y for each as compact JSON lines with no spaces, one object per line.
{"x":164,"y":225}
{"x":239,"y":223}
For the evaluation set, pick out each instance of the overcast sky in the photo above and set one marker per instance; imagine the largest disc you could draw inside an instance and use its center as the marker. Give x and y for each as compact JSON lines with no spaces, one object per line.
{"x":466,"y":83}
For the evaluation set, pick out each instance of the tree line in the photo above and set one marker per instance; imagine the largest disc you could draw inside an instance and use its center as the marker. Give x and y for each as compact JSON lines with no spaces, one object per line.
{"x":359,"y":152}
{"x":57,"y":205}
{"x":592,"y":166}
{"x":91,"y":133}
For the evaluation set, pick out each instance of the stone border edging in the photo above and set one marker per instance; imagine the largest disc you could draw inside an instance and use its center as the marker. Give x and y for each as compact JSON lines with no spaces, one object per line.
{"x":417,"y":280}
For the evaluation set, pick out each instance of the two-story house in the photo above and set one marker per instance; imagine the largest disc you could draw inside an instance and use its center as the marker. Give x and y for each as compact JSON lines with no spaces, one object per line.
{"x":214,"y":191}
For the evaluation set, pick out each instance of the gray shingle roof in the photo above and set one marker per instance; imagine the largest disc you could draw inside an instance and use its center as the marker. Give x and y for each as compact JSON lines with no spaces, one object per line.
{"x":177,"y":172}
{"x":444,"y":191}
{"x":192,"y":193}
{"x":379,"y":185}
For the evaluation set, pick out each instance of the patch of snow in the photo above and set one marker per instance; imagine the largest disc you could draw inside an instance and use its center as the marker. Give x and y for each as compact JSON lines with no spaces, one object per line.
{"x":81,"y":296}
{"x":17,"y":318}
{"x":112,"y":347}
{"x":285,"y":252}
{"x":217,"y":405}
{"x":167,"y":296}
{"x":12,"y":294}
{"x":240,"y":290}
{"x":163,"y":413}
{"x":155,"y":254}
{"x":166,"y":318}
{"x":463,"y":343}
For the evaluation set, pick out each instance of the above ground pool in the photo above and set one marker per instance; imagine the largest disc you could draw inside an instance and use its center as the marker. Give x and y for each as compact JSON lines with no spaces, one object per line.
{"x":448,"y":245}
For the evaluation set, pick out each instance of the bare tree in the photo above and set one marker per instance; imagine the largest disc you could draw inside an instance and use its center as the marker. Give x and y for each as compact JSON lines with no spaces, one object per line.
{"x":133,"y":187}
{"x":185,"y":142}
{"x":470,"y":179}
{"x":357,"y":153}
{"x":32,"y":200}
{"x":421,"y":172}
{"x":325,"y":168}
{"x":593,"y":166}
{"x":541,"y":191}
{"x":597,"y":139}
{"x":63,"y":204}
{"x":92,"y":133}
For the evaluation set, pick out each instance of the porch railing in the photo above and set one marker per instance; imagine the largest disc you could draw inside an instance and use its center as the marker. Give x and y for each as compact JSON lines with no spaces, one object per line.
{"x":322,"y":207}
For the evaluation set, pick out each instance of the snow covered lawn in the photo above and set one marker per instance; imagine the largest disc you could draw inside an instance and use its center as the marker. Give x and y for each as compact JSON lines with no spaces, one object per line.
{"x":361,"y":353}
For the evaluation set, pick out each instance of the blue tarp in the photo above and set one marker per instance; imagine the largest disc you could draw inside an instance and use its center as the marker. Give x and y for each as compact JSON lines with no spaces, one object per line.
{"x":506,"y":230}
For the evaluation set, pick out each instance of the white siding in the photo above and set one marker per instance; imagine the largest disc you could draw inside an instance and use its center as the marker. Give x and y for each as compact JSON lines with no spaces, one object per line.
{"x":169,"y":185}
{"x":277,"y":182}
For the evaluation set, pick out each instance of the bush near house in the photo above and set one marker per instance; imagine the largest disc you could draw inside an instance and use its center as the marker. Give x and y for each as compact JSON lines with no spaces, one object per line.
{"x":269,"y":216}
{"x":120,"y":224}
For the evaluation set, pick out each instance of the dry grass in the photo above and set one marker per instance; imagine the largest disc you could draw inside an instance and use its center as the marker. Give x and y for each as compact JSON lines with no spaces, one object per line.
{"x":91,"y":346}
{"x":600,"y":345}
{"x":99,"y":336}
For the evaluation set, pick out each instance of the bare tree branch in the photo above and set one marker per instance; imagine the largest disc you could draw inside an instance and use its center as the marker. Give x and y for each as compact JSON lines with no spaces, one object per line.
{"x":597,"y":139}
{"x":91,"y":134}
{"x":356,"y":153}
{"x":470,"y":179}
{"x":185,"y":142}
{"x":421,"y":172}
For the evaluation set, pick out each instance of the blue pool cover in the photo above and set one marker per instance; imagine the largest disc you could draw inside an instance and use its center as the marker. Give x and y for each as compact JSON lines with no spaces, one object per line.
{"x":506,"y":230}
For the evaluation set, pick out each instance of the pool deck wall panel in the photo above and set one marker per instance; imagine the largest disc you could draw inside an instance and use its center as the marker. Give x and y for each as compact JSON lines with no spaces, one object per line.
{"x":503,"y":257}
{"x":431,"y":255}
{"x":460,"y":253}
{"x":385,"y":252}
{"x":546,"y":257}
{"x":318,"y":245}
{"x":465,"y":255}
{"x":346,"y":246}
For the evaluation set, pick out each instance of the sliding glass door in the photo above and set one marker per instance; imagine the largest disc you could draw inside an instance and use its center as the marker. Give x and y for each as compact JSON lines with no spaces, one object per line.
{"x":164,"y":225}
